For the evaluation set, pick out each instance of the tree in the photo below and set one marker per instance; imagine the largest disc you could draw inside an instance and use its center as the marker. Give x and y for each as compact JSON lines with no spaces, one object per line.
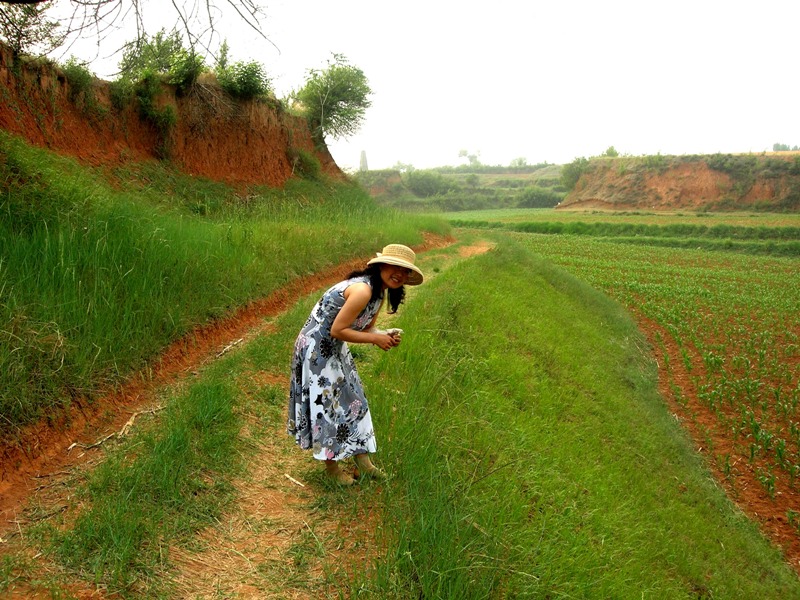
{"x":98,"y":19}
{"x":571,"y":173}
{"x":335,"y":99}
{"x":611,"y":152}
{"x":474,"y":160}
{"x":519,"y":163}
{"x":26,"y":27}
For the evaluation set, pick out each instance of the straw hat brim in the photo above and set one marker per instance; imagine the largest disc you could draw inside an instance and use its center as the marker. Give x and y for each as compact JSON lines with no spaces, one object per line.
{"x":414,"y":278}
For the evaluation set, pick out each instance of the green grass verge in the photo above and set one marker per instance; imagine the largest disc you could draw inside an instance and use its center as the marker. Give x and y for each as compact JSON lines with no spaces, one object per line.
{"x":533,"y":457}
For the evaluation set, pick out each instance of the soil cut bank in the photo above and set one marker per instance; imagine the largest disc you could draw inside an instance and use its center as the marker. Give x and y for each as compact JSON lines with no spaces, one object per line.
{"x":769,"y":182}
{"x":214,"y":136}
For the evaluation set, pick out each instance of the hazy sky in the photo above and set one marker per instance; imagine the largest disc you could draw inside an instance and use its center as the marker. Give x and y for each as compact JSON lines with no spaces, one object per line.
{"x":544,"y":81}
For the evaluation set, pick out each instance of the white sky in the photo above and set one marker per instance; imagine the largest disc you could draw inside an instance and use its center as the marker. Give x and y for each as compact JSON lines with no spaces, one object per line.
{"x":545,"y":81}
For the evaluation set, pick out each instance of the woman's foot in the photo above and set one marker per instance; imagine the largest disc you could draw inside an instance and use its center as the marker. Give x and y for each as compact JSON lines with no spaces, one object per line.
{"x":336,"y":474}
{"x":366,"y":469}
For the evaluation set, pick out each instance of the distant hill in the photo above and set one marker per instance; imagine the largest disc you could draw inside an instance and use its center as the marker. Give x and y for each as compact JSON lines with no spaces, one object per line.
{"x":768,"y":182}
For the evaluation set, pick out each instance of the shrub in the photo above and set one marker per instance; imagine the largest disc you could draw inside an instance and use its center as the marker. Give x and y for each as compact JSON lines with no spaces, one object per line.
{"x":425,"y":184}
{"x":538,"y":197}
{"x":164,"y":120}
{"x":304,"y":164}
{"x":244,"y":80}
{"x":186,"y":67}
{"x":121,"y":93}
{"x":571,"y":173}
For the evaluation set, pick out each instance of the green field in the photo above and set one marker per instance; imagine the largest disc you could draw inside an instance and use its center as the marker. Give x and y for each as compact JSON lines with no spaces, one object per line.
{"x":532,"y":448}
{"x":549,"y":215}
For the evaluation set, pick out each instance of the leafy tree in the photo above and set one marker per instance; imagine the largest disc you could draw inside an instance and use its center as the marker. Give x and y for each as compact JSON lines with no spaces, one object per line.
{"x":426,"y":183}
{"x":611,"y":152}
{"x":241,"y":80}
{"x":403,"y":167}
{"x":474,"y":160}
{"x":25,"y":28}
{"x":335,"y":99}
{"x":518,"y":163}
{"x":156,"y":54}
{"x":571,"y":173}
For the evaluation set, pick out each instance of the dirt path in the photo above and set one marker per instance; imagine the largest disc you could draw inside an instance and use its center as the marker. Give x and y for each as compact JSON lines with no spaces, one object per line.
{"x":271,"y":527}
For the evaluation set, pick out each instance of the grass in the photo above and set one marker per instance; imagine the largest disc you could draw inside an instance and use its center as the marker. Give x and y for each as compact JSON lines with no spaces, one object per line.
{"x":530,"y":456}
{"x":533,"y":456}
{"x":701,"y":218}
{"x":99,"y":271}
{"x":770,"y":236}
{"x":530,"y":452}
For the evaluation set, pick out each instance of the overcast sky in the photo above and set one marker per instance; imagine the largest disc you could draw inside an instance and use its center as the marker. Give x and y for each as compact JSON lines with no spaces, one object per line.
{"x":545,"y":81}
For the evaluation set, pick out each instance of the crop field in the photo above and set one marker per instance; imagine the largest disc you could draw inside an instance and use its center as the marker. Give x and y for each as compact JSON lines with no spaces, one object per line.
{"x":549,"y":215}
{"x":726,"y":331}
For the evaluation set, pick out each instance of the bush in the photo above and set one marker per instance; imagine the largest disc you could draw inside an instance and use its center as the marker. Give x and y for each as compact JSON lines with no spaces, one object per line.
{"x":571,"y":173}
{"x":244,"y":81}
{"x":304,"y":164}
{"x":425,"y":184}
{"x":186,"y":67}
{"x":121,"y":93}
{"x":163,"y":120}
{"x":538,"y":197}
{"x":81,"y":90}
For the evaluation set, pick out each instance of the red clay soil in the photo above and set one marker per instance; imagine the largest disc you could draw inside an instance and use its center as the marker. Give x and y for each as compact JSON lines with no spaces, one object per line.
{"x":44,"y":449}
{"x":240,"y":143}
{"x":741,"y":483}
{"x":692,"y":186}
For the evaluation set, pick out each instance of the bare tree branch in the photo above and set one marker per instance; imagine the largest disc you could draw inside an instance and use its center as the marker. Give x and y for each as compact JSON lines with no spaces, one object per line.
{"x":101,"y":18}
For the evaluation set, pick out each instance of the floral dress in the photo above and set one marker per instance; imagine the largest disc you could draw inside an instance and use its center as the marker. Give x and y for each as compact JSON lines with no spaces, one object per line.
{"x":328,"y":409}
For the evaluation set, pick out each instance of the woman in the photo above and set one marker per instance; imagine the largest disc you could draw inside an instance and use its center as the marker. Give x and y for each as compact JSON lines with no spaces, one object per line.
{"x":328,"y":410}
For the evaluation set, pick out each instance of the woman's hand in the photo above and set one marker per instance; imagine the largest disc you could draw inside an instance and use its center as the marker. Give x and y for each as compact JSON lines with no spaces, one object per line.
{"x":384,"y":341}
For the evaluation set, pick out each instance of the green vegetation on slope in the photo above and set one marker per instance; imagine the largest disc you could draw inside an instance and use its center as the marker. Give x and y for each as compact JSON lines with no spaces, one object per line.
{"x":533,"y":457}
{"x":99,"y":272}
{"x":473,"y":187}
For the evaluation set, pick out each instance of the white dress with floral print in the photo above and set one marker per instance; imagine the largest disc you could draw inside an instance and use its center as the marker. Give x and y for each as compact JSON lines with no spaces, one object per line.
{"x":328,"y":410}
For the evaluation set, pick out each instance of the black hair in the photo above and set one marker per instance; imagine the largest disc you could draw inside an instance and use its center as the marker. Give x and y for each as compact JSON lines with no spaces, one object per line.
{"x":373,"y":271}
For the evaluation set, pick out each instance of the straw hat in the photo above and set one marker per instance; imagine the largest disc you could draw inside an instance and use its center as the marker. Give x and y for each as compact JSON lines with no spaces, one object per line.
{"x":402,"y":256}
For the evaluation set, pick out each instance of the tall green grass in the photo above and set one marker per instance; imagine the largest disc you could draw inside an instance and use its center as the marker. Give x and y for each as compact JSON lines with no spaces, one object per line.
{"x":533,"y":457}
{"x":156,"y":490}
{"x":99,"y":271}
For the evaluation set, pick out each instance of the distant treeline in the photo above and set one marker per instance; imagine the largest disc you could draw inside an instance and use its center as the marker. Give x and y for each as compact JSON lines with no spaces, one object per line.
{"x":468,"y":187}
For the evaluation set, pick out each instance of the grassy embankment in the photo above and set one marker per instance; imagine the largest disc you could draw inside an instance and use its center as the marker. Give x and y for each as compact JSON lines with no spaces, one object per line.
{"x":99,"y":271}
{"x":754,"y":233}
{"x":530,"y":454}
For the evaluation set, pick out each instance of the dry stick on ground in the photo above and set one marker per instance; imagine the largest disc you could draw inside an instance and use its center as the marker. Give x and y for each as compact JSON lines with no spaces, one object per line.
{"x":122,"y":432}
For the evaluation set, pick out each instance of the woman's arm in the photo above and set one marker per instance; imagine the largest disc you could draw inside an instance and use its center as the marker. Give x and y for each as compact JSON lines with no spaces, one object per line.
{"x":356,"y":298}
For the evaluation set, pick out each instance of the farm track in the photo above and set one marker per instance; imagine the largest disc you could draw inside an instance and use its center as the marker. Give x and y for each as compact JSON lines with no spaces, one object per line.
{"x":45,"y":449}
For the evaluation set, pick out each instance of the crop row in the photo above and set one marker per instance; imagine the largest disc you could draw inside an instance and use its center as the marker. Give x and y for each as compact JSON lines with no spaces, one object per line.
{"x":735,"y":320}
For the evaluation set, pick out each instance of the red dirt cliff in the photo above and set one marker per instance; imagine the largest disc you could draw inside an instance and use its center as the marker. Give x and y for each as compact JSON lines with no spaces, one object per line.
{"x":238,"y":142}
